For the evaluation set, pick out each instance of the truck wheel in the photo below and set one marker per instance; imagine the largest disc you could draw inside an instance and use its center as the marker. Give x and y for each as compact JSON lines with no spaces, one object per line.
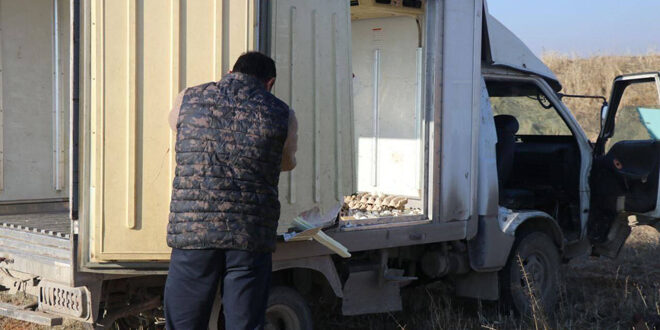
{"x":540,"y":257}
{"x":287,"y":310}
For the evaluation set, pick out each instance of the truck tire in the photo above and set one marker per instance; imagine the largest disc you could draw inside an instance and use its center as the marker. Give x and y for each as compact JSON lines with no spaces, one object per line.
{"x":287,"y":310}
{"x":541,"y":261}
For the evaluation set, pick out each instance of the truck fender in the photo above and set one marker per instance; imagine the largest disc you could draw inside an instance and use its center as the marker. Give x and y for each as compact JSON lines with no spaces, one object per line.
{"x":511,"y":220}
{"x":321,"y":264}
{"x":489,"y":249}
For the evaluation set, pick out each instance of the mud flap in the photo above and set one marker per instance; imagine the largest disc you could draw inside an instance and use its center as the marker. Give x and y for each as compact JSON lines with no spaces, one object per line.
{"x":477,"y":285}
{"x":365,"y":292}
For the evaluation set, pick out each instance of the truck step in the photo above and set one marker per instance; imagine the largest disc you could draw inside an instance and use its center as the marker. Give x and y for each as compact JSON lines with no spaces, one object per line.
{"x":16,"y":312}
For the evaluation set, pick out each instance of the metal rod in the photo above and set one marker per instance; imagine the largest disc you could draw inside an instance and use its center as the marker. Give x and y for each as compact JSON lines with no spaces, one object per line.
{"x":57,"y":180}
{"x":376,"y":129}
{"x":562,"y":95}
{"x":418,"y":117}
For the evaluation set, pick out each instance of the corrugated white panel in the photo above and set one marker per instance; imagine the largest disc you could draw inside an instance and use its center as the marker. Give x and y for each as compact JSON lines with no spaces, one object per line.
{"x":143,"y":54}
{"x":311,"y":46}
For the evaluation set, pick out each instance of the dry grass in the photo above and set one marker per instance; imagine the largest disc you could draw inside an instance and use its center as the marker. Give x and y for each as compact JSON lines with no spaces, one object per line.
{"x":594,"y":76}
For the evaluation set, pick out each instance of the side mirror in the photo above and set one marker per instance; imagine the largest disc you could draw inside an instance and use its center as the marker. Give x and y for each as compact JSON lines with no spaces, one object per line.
{"x":603,"y":115}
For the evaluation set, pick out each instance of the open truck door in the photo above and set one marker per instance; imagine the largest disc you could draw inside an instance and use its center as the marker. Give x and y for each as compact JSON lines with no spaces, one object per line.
{"x":136,"y":64}
{"x":625,"y":174}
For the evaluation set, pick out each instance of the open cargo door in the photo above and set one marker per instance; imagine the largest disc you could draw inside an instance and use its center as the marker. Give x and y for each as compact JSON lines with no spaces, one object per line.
{"x":310,"y":42}
{"x":140,"y":54}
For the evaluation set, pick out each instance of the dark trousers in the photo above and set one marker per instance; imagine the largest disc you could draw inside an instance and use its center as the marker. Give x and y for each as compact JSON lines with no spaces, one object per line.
{"x":192,"y":283}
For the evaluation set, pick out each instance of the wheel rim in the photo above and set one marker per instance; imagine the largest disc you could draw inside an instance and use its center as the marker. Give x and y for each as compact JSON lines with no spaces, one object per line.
{"x":282,"y":317}
{"x":536,"y":266}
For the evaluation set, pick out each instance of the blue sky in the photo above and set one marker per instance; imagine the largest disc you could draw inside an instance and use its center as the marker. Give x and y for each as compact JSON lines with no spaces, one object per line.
{"x":583,"y":27}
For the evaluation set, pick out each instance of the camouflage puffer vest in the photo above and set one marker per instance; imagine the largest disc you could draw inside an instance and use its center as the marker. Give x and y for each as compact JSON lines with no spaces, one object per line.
{"x":230,"y":136}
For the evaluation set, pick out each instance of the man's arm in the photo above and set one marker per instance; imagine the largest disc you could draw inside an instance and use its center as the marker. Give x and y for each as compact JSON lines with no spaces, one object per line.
{"x":291,"y":144}
{"x":174,"y":113}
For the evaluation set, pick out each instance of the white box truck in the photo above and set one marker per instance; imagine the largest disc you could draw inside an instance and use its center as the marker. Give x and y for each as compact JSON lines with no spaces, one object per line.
{"x":432,"y":101}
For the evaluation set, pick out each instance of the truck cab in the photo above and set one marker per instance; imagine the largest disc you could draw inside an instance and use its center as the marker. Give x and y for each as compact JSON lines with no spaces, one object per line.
{"x":546,"y":163}
{"x":549,"y":169}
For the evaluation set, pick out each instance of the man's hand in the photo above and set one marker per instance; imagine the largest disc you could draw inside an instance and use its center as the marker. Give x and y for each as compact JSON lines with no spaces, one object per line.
{"x":291,"y":144}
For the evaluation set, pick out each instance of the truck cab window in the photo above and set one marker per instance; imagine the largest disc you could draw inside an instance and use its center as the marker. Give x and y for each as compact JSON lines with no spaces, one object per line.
{"x":534,"y":112}
{"x":638,"y":115}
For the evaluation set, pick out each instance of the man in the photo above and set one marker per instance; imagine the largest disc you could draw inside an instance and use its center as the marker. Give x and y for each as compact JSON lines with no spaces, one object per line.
{"x":233,"y":139}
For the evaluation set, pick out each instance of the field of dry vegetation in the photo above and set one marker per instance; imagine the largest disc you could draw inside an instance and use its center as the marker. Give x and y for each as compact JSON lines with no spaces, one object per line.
{"x":594,"y":76}
{"x":596,"y":293}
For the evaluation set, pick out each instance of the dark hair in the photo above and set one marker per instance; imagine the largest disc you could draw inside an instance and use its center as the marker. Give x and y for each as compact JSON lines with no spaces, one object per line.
{"x":255,"y":64}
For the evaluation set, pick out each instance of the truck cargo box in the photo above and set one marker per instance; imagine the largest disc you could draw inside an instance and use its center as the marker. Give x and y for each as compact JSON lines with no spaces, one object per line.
{"x":329,"y":55}
{"x":365,"y":78}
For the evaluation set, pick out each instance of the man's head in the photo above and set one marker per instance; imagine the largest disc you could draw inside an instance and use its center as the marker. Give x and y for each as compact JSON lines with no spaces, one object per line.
{"x":257,"y":65}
